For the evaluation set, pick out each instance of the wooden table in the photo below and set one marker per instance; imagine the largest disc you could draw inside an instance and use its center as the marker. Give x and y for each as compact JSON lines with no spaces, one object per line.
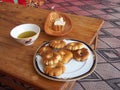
{"x":16,"y":60}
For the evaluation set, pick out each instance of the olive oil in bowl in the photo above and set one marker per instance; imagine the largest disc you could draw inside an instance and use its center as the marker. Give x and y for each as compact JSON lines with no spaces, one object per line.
{"x":27,"y":34}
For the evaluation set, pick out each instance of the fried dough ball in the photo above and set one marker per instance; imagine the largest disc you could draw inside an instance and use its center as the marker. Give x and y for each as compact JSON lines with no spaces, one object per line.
{"x":57,"y":44}
{"x":66,"y":55}
{"x":55,"y":70}
{"x":74,"y":46}
{"x":81,"y":54}
{"x":45,"y":50}
{"x":51,"y":58}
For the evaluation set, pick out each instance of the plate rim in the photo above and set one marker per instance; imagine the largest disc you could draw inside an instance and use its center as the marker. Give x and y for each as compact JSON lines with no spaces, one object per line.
{"x":68,"y":79}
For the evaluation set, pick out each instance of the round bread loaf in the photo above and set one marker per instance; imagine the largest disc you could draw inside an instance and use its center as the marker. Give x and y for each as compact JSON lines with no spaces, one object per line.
{"x":57,"y":44}
{"x":51,"y":58}
{"x":55,"y":70}
{"x":81,"y":54}
{"x":74,"y":46}
{"x":44,"y":50}
{"x":66,"y":55}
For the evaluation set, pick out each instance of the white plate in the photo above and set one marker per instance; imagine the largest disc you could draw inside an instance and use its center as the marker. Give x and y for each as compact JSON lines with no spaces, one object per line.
{"x":74,"y":69}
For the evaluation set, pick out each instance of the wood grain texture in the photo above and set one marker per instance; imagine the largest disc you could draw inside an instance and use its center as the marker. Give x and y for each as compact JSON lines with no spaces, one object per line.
{"x":16,"y":60}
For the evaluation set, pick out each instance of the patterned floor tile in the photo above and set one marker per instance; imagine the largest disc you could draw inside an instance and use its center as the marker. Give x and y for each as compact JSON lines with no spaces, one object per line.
{"x":113,"y":42}
{"x":117,"y":8}
{"x":105,"y":2}
{"x":114,"y":83}
{"x":57,"y":1}
{"x":117,"y":65}
{"x":92,"y":77}
{"x":118,"y":3}
{"x":109,"y":55}
{"x":110,"y":10}
{"x":72,"y":0}
{"x":87,"y":7}
{"x":78,"y":86}
{"x":91,"y":2}
{"x":66,"y":4}
{"x":103,"y":33}
{"x":102,"y":45}
{"x":73,"y":8}
{"x":92,"y":15}
{"x":100,"y":85}
{"x":115,"y":1}
{"x":99,"y":6}
{"x":98,"y":12}
{"x":60,"y":9}
{"x":100,"y":59}
{"x":113,"y":31}
{"x":107,"y":17}
{"x":107,"y":71}
{"x":116,"y":15}
{"x":107,"y":25}
{"x":82,"y":13}
{"x":118,"y":37}
{"x":111,"y":4}
{"x":116,"y":22}
{"x":77,"y":3}
{"x":50,"y":5}
{"x":118,"y":50}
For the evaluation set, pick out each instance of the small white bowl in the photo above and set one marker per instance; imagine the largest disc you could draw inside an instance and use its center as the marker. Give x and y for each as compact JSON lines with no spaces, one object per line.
{"x":15,"y":32}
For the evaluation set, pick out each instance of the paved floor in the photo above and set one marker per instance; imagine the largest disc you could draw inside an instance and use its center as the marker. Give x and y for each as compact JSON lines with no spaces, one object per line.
{"x":107,"y":73}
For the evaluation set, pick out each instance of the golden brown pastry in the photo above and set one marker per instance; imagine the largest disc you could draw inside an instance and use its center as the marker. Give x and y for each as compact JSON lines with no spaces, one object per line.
{"x":81,"y":54}
{"x":54,"y":70}
{"x":66,"y":55}
{"x":74,"y":46}
{"x":58,"y":27}
{"x":57,"y":44}
{"x":51,"y":58}
{"x":59,"y":24}
{"x":44,"y":50}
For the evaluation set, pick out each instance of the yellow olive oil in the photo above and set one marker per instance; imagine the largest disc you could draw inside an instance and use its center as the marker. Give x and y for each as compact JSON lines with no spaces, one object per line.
{"x":26,"y":34}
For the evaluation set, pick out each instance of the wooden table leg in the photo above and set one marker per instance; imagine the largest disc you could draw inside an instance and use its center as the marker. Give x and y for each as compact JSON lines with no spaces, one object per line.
{"x":94,"y":43}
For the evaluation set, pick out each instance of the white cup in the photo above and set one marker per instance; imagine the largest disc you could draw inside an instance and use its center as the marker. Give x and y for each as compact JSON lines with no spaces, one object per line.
{"x":15,"y":32}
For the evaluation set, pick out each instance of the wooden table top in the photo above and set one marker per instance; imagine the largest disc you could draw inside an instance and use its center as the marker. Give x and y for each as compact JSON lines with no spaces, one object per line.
{"x":16,"y":60}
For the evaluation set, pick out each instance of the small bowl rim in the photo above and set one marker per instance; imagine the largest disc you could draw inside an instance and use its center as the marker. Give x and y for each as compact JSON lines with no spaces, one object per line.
{"x":29,"y":30}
